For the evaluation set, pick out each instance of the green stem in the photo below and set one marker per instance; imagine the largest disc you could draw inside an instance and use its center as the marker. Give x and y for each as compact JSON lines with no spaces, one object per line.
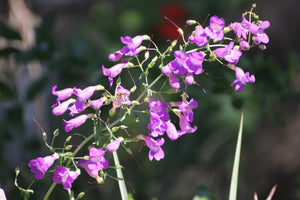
{"x":122,"y":185}
{"x":49,"y":191}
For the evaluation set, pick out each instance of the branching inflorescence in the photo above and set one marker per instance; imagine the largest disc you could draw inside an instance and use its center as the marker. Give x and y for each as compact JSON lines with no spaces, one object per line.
{"x":204,"y":44}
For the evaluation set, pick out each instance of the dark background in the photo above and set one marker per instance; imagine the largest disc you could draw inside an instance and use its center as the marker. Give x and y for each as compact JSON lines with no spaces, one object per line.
{"x":65,"y":43}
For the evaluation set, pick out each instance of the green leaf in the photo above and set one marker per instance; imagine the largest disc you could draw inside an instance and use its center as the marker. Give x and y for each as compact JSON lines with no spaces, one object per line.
{"x":235,"y":170}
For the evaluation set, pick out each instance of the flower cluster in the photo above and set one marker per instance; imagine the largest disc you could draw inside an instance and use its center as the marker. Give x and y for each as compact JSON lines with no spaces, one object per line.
{"x":205,"y":44}
{"x":95,"y":162}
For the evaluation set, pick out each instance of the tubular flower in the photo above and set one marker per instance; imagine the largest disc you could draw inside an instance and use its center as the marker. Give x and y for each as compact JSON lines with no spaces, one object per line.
{"x":61,"y":108}
{"x":241,"y":79}
{"x":96,"y":104}
{"x":75,"y":122}
{"x":199,"y":37}
{"x":82,"y":96}
{"x":62,"y":94}
{"x":39,"y":166}
{"x":261,"y":36}
{"x":155,"y":147}
{"x":121,"y":97}
{"x":64,"y":176}
{"x":215,"y":29}
{"x":241,"y":29}
{"x":132,"y":47}
{"x":229,"y":53}
{"x":114,"y":145}
{"x":95,"y":163}
{"x":115,"y":70}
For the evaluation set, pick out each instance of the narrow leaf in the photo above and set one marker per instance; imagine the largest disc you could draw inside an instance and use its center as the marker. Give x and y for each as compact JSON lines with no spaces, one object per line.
{"x":235,"y":170}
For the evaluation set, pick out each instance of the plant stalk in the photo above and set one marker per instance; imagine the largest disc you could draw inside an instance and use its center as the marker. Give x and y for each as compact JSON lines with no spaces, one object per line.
{"x":122,"y":185}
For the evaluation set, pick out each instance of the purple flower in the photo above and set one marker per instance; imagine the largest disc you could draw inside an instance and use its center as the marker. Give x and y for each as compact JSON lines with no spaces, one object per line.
{"x":39,"y":166}
{"x":132,"y":44}
{"x":156,"y":126}
{"x":77,"y":107}
{"x":114,"y":145}
{"x":229,"y":53}
{"x":185,"y":125}
{"x":64,"y":176}
{"x":172,"y":132}
{"x":215,"y":29}
{"x":132,"y":47}
{"x":75,"y":122}
{"x":61,"y":108}
{"x":158,"y":110}
{"x":174,"y":82}
{"x":241,"y":29}
{"x":241,"y":79}
{"x":186,"y":108}
{"x":115,"y":56}
{"x":87,"y":92}
{"x":62,"y":94}
{"x":189,"y":79}
{"x":155,"y":147}
{"x":95,"y":163}
{"x":194,"y":62}
{"x":114,"y":71}
{"x":121,"y":97}
{"x":244,"y":45}
{"x":200,"y":37}
{"x":82,"y":96}
{"x":96,"y":104}
{"x":261,"y":36}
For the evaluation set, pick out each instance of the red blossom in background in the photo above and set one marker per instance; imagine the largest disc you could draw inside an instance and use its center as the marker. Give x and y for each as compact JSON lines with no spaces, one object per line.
{"x":175,"y":12}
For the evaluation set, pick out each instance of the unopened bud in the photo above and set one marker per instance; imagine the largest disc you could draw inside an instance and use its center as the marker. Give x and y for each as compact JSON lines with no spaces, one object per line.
{"x":226,"y":29}
{"x":135,"y":103}
{"x":191,"y":22}
{"x":114,"y":129}
{"x":68,"y":139}
{"x":86,"y":158}
{"x":68,"y":147}
{"x":80,"y":195}
{"x":180,"y":31}
{"x":173,"y":44}
{"x":133,"y":89}
{"x":146,"y":55}
{"x":151,"y":64}
{"x":112,"y":112}
{"x":69,"y":154}
{"x":56,"y":132}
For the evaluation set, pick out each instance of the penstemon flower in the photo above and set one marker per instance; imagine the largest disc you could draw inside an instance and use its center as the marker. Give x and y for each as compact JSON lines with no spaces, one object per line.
{"x":155,"y":147}
{"x":215,"y":29}
{"x":241,"y":79}
{"x":75,"y":122}
{"x":95,"y":163}
{"x":39,"y":166}
{"x":229,"y":53}
{"x":199,"y":37}
{"x":64,"y":176}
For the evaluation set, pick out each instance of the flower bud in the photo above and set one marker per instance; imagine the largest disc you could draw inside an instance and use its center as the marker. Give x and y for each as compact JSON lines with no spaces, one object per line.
{"x":180,"y":31}
{"x":80,"y":195}
{"x":191,"y":22}
{"x":68,"y":147}
{"x":146,"y":55}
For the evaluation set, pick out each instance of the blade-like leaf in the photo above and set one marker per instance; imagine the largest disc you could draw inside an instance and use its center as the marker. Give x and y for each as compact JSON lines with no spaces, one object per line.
{"x":235,"y":170}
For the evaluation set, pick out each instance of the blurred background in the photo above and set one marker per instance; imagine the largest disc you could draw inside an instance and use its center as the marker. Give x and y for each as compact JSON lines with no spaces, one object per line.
{"x":65,"y":42}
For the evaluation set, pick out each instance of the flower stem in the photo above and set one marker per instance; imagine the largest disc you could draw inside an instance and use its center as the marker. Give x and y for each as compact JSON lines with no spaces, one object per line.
{"x":49,"y":191}
{"x":122,"y":185}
